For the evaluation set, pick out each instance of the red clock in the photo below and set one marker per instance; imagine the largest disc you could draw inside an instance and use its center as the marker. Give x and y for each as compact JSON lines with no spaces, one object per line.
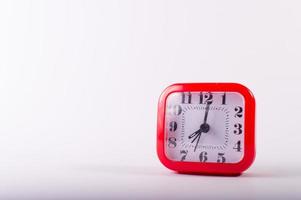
{"x":206,"y":128}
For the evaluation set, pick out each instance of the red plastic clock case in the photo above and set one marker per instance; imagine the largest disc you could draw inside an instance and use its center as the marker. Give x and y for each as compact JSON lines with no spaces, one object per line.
{"x":209,"y":168}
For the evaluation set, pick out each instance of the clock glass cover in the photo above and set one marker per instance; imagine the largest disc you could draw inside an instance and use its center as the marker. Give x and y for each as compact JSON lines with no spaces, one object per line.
{"x":205,"y":126}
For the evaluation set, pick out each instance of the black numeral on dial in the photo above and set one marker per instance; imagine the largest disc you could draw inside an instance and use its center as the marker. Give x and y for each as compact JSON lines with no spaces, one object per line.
{"x":173,"y":126}
{"x":186,"y":98}
{"x":203,"y":156}
{"x":238,"y":111}
{"x":177,"y":110}
{"x":237,"y":146}
{"x":184,"y":154}
{"x":174,"y":110}
{"x":172,"y":142}
{"x":224,"y":99}
{"x":206,"y":98}
{"x":238,"y":128}
{"x":221,"y":158}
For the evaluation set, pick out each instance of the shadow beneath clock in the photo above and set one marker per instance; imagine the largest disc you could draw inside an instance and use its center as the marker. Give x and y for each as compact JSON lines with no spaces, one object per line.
{"x":274,"y":172}
{"x":122,"y":169}
{"x":211,"y":175}
{"x":258,"y":172}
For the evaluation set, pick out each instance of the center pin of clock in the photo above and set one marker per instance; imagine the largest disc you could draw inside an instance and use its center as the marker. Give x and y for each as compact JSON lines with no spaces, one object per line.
{"x":205,"y":128}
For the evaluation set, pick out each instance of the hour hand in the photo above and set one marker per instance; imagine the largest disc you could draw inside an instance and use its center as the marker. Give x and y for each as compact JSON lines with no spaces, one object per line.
{"x":197,"y":137}
{"x":194,"y":134}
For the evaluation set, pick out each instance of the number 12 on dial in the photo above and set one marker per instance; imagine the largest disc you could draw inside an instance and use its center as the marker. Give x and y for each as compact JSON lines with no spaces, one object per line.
{"x":206,"y":128}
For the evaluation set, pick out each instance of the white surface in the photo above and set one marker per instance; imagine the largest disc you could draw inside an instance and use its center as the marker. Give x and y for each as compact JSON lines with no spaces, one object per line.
{"x":79,"y":83}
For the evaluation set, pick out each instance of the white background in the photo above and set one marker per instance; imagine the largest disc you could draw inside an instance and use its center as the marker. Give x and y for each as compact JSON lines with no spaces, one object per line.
{"x":80,"y":80}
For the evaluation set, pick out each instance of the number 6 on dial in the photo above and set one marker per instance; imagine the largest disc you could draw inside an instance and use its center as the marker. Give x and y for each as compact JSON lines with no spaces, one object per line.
{"x":206,"y":128}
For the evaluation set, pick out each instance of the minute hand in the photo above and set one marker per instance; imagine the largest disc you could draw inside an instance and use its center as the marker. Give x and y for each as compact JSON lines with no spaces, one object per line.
{"x":206,"y":113}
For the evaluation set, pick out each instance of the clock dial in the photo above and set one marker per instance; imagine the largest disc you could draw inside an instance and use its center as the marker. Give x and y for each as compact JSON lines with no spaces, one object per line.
{"x":205,"y":127}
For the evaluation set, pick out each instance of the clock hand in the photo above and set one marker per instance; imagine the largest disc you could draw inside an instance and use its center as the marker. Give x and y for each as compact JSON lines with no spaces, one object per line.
{"x":199,"y":136}
{"x":194,"y":134}
{"x":204,"y":128}
{"x":206,"y":113}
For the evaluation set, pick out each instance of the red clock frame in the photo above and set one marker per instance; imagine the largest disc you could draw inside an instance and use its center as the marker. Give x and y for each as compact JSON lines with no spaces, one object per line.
{"x":209,"y":168}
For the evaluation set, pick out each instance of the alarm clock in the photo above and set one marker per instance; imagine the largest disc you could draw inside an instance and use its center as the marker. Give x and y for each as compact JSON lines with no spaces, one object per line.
{"x":206,"y":128}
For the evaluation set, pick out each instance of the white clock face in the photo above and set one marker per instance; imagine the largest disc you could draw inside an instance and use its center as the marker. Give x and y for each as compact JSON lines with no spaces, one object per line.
{"x":205,"y":127}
